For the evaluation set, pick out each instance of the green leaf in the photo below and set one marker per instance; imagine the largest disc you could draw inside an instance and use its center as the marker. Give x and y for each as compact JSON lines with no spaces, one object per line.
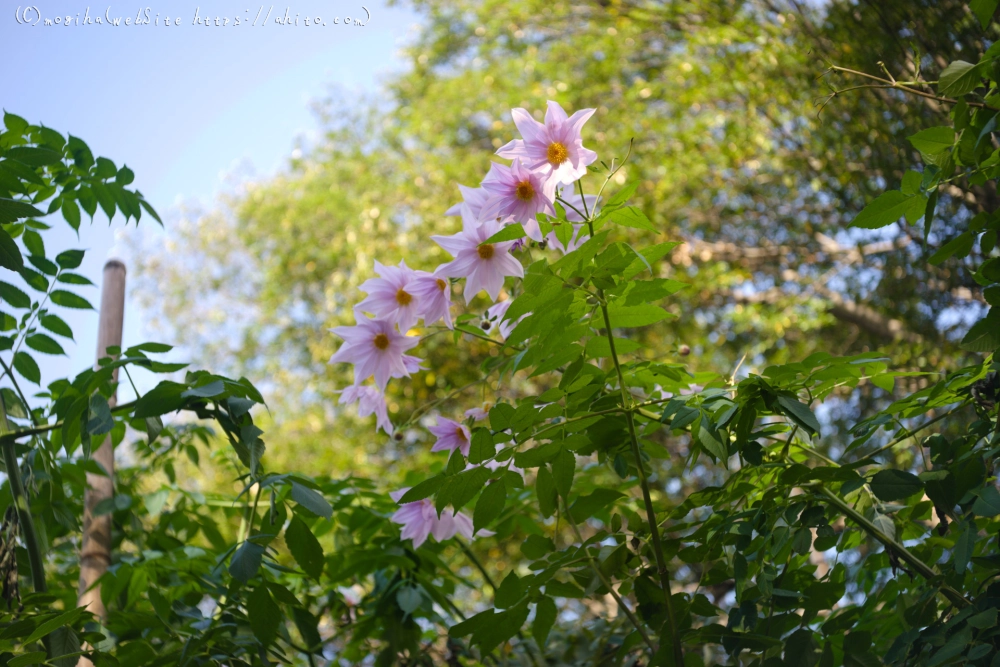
{"x":73,"y":279}
{"x":489,"y":505}
{"x":311,"y":500}
{"x":635,"y":316}
{"x":959,"y":78}
{"x":246,"y":561}
{"x":482,"y":447}
{"x":987,"y":502}
{"x":460,"y":489}
{"x":15,"y":124}
{"x":161,"y":399}
{"x":35,"y":280}
{"x":14,"y":296}
{"x":70,"y":259}
{"x":69,"y":300}
{"x":56,"y":325}
{"x":631,"y":216}
{"x":501,"y":415}
{"x":11,"y":210}
{"x":99,"y":419}
{"x":33,"y":156}
{"x":799,"y":413}
{"x":599,"y":347}
{"x":10,"y":254}
{"x":71,"y":212}
{"x":510,"y":590}
{"x":933,"y":140}
{"x":984,"y":335}
{"x":563,"y":469}
{"x":26,"y":366}
{"x":545,"y":488}
{"x":209,"y":390}
{"x":25,"y":659}
{"x":424,"y":489}
{"x":125,"y":176}
{"x":586,"y":506}
{"x":507,"y":233}
{"x":889,"y":485}
{"x":307,"y":625}
{"x":44,"y":265}
{"x":265,"y":615}
{"x":42,"y":343}
{"x":984,"y":10}
{"x":15,"y":408}
{"x":304,"y":547}
{"x":65,"y":618}
{"x":545,"y":618}
{"x":622,"y":196}
{"x":889,"y":207}
{"x":536,"y":546}
{"x":958,"y":246}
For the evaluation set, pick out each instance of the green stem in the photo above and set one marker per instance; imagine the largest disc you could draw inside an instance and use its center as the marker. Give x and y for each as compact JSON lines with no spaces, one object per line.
{"x":607,"y":584}
{"x":661,"y":562}
{"x":11,"y":436}
{"x":925,"y":570}
{"x":20,"y":498}
{"x":910,"y":434}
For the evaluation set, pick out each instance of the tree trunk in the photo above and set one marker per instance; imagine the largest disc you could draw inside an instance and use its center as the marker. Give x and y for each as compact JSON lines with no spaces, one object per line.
{"x":95,"y":553}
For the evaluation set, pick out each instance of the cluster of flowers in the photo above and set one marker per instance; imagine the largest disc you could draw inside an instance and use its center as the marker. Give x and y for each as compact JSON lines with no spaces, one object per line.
{"x":549,"y":157}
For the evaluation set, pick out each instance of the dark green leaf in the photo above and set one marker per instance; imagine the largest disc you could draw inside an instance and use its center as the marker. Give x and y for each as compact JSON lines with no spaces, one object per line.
{"x":99,"y":419}
{"x":984,"y":10}
{"x":799,"y":413}
{"x":14,"y":296}
{"x":933,"y":140}
{"x":26,"y":366}
{"x":10,"y":254}
{"x":959,"y":78}
{"x":42,"y":343}
{"x":481,"y":448}
{"x":69,"y":300}
{"x":889,"y":207}
{"x":246,"y":561}
{"x":265,"y":615}
{"x":889,"y":485}
{"x":71,"y":212}
{"x":70,"y":259}
{"x":489,"y":505}
{"x":586,"y":506}
{"x":311,"y":500}
{"x":545,"y":617}
{"x":56,"y":325}
{"x":987,"y":502}
{"x":304,"y":547}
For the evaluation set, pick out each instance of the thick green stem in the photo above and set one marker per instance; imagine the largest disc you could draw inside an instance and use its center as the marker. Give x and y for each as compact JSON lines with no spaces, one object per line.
{"x":661,"y":563}
{"x":923,"y":568}
{"x":21,"y":504}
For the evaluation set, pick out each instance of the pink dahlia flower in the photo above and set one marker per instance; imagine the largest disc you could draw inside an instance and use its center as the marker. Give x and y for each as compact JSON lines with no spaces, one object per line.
{"x":376,"y":349}
{"x":391,"y":296}
{"x":483,"y":265}
{"x":518,"y":193}
{"x":450,"y":436}
{"x":433,"y":293}
{"x":370,"y":402}
{"x":555,"y":147}
{"x":420,"y":519}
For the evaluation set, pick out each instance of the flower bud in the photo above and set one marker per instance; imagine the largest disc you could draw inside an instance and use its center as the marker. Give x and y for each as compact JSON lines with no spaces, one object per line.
{"x":684,"y":350}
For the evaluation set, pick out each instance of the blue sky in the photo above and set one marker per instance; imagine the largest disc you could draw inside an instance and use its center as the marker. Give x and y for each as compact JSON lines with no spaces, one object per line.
{"x":183,"y":105}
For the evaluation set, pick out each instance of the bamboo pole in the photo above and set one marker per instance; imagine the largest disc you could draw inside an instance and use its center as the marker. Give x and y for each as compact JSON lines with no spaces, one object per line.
{"x":95,"y":552}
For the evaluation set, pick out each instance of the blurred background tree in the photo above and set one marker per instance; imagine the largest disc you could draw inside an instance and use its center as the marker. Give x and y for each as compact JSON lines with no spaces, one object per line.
{"x":739,"y":150}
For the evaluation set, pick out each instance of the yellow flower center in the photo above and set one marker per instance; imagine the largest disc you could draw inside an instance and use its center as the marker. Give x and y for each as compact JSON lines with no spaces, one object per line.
{"x":525,"y":191}
{"x":460,"y":433}
{"x":403,"y":297}
{"x":442,"y":285}
{"x":486,"y":251}
{"x":381,"y":341}
{"x":557,"y":153}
